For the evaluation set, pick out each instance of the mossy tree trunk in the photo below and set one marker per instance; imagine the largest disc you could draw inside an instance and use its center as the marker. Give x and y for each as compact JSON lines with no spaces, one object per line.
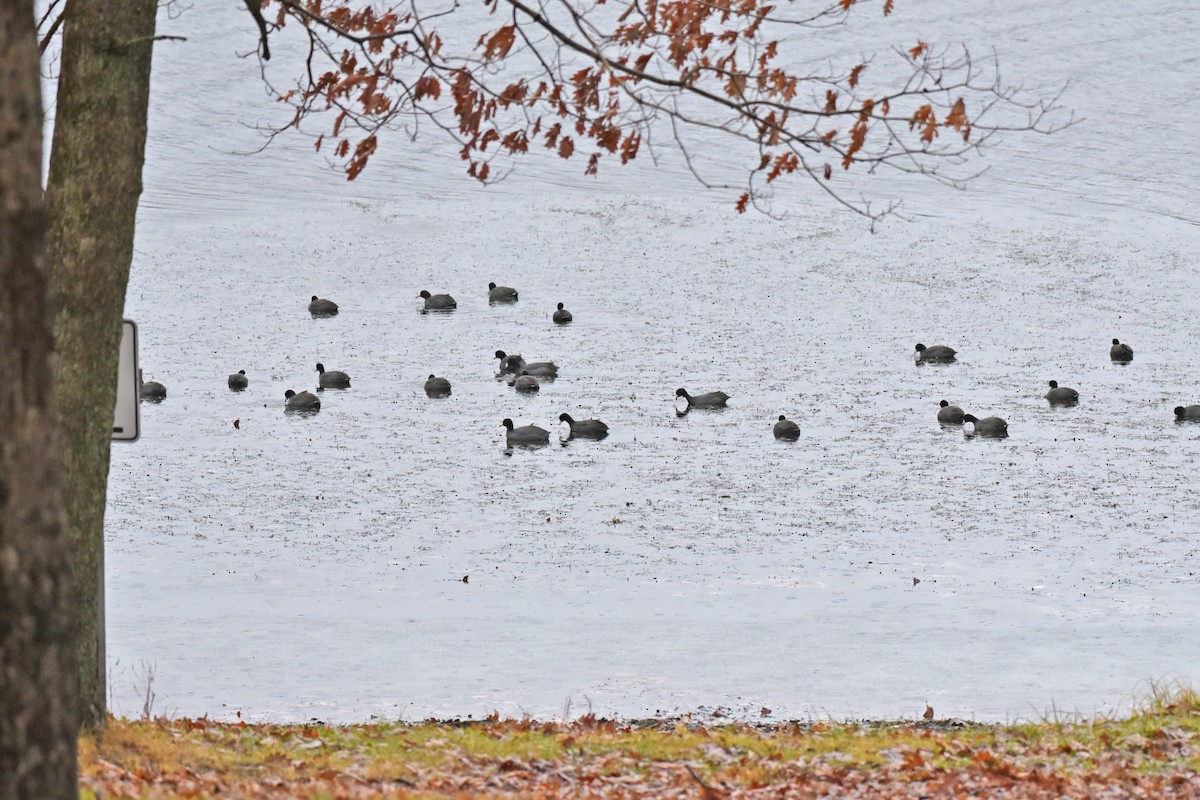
{"x":38,"y":722}
{"x":92,"y":194}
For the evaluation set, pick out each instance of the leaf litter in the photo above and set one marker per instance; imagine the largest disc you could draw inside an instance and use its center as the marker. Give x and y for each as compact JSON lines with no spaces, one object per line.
{"x":1148,"y":754}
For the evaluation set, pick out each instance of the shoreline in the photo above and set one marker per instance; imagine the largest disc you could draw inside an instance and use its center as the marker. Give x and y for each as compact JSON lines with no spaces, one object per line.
{"x":1153,"y":751}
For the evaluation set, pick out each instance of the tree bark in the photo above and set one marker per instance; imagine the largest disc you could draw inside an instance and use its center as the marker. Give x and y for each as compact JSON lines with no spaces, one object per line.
{"x":38,"y":721}
{"x":92,"y":195}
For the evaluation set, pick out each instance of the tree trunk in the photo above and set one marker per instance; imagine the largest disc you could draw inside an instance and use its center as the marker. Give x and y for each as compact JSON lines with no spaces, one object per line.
{"x":92,"y":195}
{"x":38,"y":722}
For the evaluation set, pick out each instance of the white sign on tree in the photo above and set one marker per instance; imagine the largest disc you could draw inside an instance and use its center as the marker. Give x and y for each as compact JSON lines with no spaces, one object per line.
{"x":127,"y":419}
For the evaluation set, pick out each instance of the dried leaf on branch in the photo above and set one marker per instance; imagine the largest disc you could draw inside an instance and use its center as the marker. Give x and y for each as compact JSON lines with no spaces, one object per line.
{"x":727,"y":77}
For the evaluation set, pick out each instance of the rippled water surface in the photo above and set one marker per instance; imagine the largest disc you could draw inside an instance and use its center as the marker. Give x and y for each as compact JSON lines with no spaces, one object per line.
{"x":295,"y":566}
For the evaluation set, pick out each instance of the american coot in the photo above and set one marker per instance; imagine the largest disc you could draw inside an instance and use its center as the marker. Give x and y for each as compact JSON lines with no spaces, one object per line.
{"x":1061,"y":395}
{"x":515,"y":365}
{"x":305,"y":401}
{"x":993,"y":427}
{"x":1120,"y":352}
{"x":526,"y":434}
{"x":501,"y":294}
{"x":1187,"y":413}
{"x":949,"y":415}
{"x":322,"y":308}
{"x":238,"y":380}
{"x":438,"y":302}
{"x":584,"y":428}
{"x":510,"y":364}
{"x":153,"y":391}
{"x":526,"y":383}
{"x":437,"y":387}
{"x":786,"y":429}
{"x":541,"y":369}
{"x":562,"y":316}
{"x":333,"y":379}
{"x":939,"y":353}
{"x":708,"y":400}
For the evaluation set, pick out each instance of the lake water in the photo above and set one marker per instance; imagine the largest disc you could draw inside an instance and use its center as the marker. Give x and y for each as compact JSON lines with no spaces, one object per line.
{"x":296,"y":567}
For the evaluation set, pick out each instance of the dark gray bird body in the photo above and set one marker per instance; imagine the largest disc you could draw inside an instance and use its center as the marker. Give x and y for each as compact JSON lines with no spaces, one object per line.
{"x":322,"y":308}
{"x":562,"y":316}
{"x":786,"y":429}
{"x":541,"y":369}
{"x":1120,"y":352}
{"x":1187,"y":413}
{"x":584,"y":428}
{"x":238,"y":380}
{"x":938,"y":353}
{"x":152,"y":391}
{"x":332,"y":379}
{"x":516,"y":365}
{"x":437,"y":387}
{"x":438,"y":302}
{"x":992,"y":427}
{"x":510,"y":364}
{"x":1061,"y":395}
{"x":526,"y":434}
{"x":501,"y":294}
{"x":707,"y":400}
{"x":949,"y":415}
{"x":304,"y":401}
{"x":526,"y":384}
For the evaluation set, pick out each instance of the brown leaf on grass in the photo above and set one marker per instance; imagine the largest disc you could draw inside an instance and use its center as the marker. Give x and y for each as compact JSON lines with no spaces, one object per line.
{"x":706,"y":792}
{"x":1138,"y":757}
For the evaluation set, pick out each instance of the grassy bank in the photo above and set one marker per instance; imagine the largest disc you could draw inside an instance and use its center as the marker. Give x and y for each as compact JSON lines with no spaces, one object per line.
{"x":1148,"y":754}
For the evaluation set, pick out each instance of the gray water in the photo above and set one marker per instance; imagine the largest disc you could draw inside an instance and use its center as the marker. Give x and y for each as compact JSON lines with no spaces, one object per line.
{"x":301,"y":566}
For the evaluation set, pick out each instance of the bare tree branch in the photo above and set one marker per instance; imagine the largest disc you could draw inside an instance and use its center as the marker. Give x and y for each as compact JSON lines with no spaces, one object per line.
{"x":255,"y":9}
{"x":53,"y":29}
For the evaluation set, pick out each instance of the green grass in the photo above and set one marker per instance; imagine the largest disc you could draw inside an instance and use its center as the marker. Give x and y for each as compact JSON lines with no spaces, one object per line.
{"x":1154,"y":740}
